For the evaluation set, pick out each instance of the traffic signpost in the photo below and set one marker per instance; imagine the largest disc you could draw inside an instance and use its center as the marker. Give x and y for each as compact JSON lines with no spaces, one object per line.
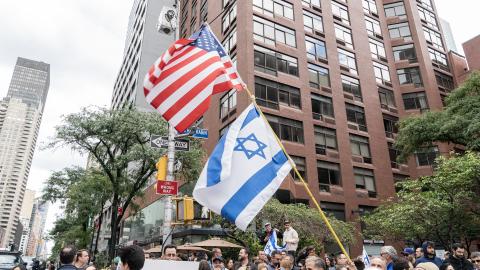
{"x":167,"y":187}
{"x":157,"y":141}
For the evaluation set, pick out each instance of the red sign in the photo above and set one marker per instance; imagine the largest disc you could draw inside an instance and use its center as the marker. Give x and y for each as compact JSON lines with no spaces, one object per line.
{"x":167,"y":187}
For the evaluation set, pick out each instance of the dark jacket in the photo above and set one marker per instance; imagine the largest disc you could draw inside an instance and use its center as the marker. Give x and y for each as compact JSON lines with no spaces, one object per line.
{"x":67,"y":267}
{"x":250,"y":264}
{"x":427,"y":257}
{"x":459,"y":263}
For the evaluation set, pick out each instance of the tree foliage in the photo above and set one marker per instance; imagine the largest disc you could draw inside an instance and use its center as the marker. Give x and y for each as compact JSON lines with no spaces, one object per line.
{"x":458,"y":123}
{"x":444,"y":207}
{"x":304,"y":219}
{"x":117,"y":141}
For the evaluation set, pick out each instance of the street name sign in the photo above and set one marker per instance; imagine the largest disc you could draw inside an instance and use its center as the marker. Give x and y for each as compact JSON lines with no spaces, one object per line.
{"x":167,"y":187}
{"x":162,"y":142}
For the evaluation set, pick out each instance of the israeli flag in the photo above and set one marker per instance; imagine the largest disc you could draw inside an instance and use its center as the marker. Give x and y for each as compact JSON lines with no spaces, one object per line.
{"x":272,"y":244}
{"x":244,"y":170}
{"x":366,"y":259}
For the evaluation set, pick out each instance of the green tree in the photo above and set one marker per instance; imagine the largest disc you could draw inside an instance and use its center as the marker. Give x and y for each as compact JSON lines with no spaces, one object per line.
{"x":444,"y":206}
{"x":458,"y":123}
{"x":117,"y":140}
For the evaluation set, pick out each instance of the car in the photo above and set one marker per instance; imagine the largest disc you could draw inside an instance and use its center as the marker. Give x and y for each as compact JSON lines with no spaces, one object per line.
{"x":9,"y":259}
{"x":29,"y":261}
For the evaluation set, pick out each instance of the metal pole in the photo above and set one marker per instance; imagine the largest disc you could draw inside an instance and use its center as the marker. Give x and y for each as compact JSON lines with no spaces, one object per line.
{"x":167,"y":222}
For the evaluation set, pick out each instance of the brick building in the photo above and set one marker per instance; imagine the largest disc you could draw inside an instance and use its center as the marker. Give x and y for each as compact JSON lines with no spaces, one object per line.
{"x":333,"y":78}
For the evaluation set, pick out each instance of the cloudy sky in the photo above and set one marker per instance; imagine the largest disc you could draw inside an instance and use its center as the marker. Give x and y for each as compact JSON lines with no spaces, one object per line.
{"x":83,"y":42}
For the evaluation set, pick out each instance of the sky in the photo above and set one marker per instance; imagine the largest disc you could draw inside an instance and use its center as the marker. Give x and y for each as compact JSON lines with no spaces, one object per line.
{"x":83,"y":42}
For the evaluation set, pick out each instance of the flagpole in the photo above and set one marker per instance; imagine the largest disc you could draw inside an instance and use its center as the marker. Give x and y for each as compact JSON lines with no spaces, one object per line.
{"x":322,"y":214}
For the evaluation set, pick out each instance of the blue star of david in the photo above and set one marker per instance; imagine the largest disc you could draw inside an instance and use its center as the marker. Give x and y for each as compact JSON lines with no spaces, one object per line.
{"x":248,"y":152}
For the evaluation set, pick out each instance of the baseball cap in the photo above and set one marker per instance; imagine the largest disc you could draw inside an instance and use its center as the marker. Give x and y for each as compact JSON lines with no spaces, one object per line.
{"x":268,"y":223}
{"x":218,"y":259}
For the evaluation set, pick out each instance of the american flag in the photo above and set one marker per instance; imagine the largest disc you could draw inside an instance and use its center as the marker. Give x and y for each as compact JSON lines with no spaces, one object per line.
{"x":181,"y":81}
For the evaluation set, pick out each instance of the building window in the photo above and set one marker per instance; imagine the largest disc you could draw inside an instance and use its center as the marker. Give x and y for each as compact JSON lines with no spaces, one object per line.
{"x":413,"y":101}
{"x":324,"y":138}
{"x":393,"y":153}
{"x":321,"y":106}
{"x":405,"y":52}
{"x":312,"y":3}
{"x":224,"y":130}
{"x":390,"y":125}
{"x":286,"y":129}
{"x":270,"y":94}
{"x":270,"y":33}
{"x":340,"y":12}
{"x":347,"y":59}
{"x":274,"y":8}
{"x":373,"y":27}
{"x":352,"y":86}
{"x":369,"y":6}
{"x":230,"y":42}
{"x":428,"y":17}
{"x":301,"y":168}
{"x":315,"y":48}
{"x":444,"y":81}
{"x":382,"y":74}
{"x":427,"y":4}
{"x":433,"y":38}
{"x":271,"y":62}
{"x":377,"y":49}
{"x":410,"y":76}
{"x":438,"y":58}
{"x":356,"y":114}
{"x":344,"y":34}
{"x":364,"y":179}
{"x":229,"y":18}
{"x":228,"y":103}
{"x":360,"y":147}
{"x":312,"y":23}
{"x":395,"y":10}
{"x":328,"y":174}
{"x":400,"y":30}
{"x":335,"y":209}
{"x":387,"y":98}
{"x":426,"y":156}
{"x":318,"y":76}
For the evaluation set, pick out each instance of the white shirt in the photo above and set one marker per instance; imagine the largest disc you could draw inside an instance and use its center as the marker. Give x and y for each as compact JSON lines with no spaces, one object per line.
{"x":291,"y":236}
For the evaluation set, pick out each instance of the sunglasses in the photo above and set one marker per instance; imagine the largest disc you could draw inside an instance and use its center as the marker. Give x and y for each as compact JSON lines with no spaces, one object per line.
{"x":476,"y":261}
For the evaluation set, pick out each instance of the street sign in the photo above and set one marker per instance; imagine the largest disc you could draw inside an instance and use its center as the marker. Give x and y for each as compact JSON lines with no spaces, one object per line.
{"x":198,"y":133}
{"x":162,"y":142}
{"x":167,"y":187}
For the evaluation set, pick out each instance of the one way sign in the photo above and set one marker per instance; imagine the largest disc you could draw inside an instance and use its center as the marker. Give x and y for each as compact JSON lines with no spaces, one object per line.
{"x":162,"y":142}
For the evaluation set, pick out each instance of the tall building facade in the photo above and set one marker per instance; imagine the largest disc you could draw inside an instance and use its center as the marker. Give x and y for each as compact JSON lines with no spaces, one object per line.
{"x":20,"y":117}
{"x":472,"y":52}
{"x":449,"y":39}
{"x":333,"y":78}
{"x":36,"y":239}
{"x":143,"y":45}
{"x":25,"y":216}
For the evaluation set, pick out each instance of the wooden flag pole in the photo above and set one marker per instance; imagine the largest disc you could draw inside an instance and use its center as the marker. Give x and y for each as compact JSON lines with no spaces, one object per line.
{"x":322,"y":214}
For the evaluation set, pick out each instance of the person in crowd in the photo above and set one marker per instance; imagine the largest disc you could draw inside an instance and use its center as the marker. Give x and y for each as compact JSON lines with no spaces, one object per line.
{"x":67,"y":257}
{"x":286,"y":263}
{"x":262,"y":256}
{"x":426,"y":266}
{"x":204,"y":265}
{"x":314,"y":263}
{"x":131,"y":258}
{"x":218,"y":263}
{"x":388,"y":253}
{"x":262,"y":266}
{"x":447,"y":266}
{"x":341,"y":260}
{"x":457,"y":259}
{"x":359,"y":264}
{"x":329,"y":263}
{"x":378,"y":263}
{"x":475,"y":257}
{"x":268,"y":232}
{"x":275,"y":258}
{"x":81,"y":261}
{"x":290,"y":238}
{"x":229,"y":264}
{"x":401,"y":263}
{"x":428,"y":249}
{"x":19,"y":267}
{"x":418,"y":253}
{"x":446,"y":255}
{"x":216,"y":252}
{"x":244,"y":260}
{"x":169,"y":253}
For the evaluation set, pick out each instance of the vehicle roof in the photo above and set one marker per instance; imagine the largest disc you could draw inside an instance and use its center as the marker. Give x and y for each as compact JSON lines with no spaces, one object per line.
{"x":10,"y":252}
